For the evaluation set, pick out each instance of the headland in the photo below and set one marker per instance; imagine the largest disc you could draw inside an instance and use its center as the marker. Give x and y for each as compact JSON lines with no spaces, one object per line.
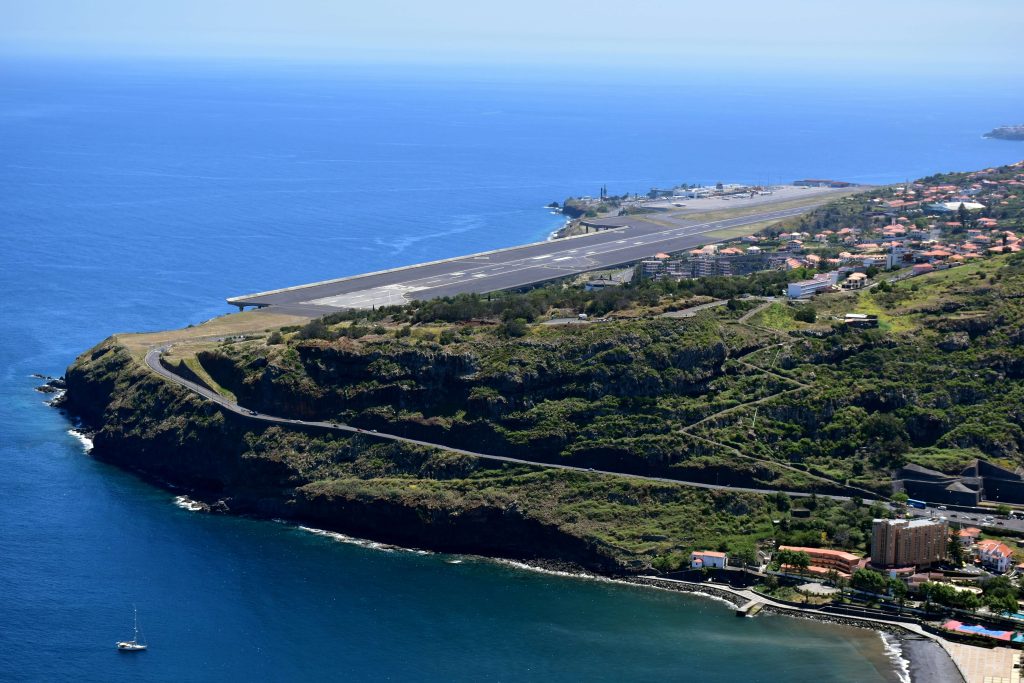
{"x":628,"y":442}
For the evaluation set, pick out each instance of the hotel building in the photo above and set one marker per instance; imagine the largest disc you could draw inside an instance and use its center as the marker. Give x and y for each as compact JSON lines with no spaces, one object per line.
{"x":908,"y":543}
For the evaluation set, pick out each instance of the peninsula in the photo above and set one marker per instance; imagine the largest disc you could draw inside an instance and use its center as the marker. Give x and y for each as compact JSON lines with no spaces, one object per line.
{"x":759,"y":411}
{"x":1007,"y":133}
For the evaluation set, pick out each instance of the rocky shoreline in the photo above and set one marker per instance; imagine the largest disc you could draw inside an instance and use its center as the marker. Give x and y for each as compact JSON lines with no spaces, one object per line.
{"x":145,"y":434}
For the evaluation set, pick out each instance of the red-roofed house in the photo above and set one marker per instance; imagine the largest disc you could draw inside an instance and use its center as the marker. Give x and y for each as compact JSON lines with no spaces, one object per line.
{"x":707,"y":558}
{"x":995,"y":555}
{"x":968,"y":536}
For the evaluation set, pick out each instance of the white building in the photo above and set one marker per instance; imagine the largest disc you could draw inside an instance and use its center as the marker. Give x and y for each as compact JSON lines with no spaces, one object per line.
{"x":707,"y":558}
{"x":822,"y":282}
{"x":995,"y":555}
{"x":953,"y":207}
{"x":855,"y":281}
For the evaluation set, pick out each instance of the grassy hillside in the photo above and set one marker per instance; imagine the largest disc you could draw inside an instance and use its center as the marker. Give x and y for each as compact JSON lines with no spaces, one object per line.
{"x":758,"y":393}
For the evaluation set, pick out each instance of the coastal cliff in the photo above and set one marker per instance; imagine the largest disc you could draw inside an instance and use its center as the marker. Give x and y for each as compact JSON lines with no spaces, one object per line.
{"x":754,"y":394}
{"x":655,"y":398}
{"x":391,"y":492}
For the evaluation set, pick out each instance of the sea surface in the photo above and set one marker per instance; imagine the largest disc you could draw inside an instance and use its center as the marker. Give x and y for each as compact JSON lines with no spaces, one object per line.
{"x":137,"y":196}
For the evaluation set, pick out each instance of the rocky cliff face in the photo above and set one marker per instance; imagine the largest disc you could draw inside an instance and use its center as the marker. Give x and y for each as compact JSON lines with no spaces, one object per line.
{"x":151,"y":426}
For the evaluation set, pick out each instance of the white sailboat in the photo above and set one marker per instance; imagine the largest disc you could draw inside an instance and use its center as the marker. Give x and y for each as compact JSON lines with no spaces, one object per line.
{"x":133,"y":645}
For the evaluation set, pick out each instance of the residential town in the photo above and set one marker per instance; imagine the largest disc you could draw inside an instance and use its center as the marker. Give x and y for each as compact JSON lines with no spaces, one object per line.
{"x":913,"y":229}
{"x":921,"y":568}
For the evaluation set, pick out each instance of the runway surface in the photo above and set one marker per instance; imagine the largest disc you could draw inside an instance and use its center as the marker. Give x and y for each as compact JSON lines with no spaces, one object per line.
{"x":505,"y":268}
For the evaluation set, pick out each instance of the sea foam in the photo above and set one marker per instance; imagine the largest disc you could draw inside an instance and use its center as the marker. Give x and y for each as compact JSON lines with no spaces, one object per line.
{"x":82,"y":439}
{"x":186,"y":503}
{"x":894,"y":651}
{"x":361,"y":542}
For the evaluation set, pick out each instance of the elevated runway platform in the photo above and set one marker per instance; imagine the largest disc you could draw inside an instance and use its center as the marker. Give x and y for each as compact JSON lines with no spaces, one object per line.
{"x":507,"y":268}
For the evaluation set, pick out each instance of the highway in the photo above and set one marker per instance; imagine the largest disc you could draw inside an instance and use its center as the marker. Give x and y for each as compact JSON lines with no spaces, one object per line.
{"x":154,"y":364}
{"x":504,"y":268}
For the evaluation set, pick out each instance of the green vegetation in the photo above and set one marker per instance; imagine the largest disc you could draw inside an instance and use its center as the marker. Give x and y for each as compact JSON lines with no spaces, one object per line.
{"x":791,"y":399}
{"x":875,"y":582}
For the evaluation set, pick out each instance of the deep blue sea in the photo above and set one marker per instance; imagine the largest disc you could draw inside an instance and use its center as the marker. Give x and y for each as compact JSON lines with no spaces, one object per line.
{"x":137,"y":196}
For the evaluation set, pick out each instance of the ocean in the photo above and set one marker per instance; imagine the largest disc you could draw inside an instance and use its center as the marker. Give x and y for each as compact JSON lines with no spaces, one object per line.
{"x":137,"y":196}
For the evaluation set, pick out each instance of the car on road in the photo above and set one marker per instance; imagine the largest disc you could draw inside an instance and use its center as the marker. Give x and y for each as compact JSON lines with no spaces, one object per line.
{"x":252,"y":412}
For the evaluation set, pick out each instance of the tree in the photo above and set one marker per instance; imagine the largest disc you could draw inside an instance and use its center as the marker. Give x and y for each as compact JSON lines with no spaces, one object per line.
{"x":963,"y":215}
{"x":1003,"y":510}
{"x":806,"y":314}
{"x":797,"y":559}
{"x":956,"y":552}
{"x":314,"y":329}
{"x":832,"y":576}
{"x":886,"y":439}
{"x":842,"y":584}
{"x":745,"y":553}
{"x":1000,"y":594}
{"x":898,"y":590}
{"x":514,"y":328}
{"x":870,"y":581}
{"x":900,"y":497}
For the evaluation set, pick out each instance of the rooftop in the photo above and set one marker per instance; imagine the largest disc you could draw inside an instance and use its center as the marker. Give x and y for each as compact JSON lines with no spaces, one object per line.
{"x":822,"y":552}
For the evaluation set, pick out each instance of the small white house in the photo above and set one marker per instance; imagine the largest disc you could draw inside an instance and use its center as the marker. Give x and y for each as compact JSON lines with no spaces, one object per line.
{"x":707,"y":558}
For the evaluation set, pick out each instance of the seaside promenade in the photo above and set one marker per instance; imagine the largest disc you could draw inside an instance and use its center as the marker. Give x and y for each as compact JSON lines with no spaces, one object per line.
{"x":974,"y":664}
{"x":629,"y":239}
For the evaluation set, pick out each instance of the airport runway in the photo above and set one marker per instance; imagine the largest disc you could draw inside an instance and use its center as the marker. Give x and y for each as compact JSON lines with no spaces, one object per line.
{"x":502,"y":269}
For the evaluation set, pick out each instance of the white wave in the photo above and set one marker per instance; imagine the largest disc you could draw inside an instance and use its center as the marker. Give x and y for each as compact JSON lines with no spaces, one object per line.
{"x":894,"y":651}
{"x":186,"y":503}
{"x":82,"y":439}
{"x":361,"y":542}
{"x":555,"y":572}
{"x":454,"y":561}
{"x":55,"y":396}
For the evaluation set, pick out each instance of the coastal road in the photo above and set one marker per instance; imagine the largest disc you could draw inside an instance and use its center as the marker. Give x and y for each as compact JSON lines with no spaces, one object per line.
{"x":504,"y":268}
{"x":153,"y":363}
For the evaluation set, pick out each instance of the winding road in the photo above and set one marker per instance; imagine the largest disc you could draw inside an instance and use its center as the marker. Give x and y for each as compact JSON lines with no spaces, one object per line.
{"x":153,"y":363}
